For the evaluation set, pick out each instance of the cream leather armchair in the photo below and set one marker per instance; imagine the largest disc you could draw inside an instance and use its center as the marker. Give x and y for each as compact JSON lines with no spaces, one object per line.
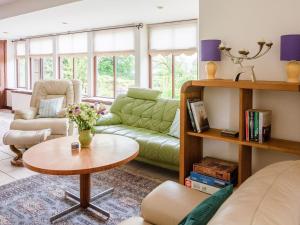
{"x":46,"y":89}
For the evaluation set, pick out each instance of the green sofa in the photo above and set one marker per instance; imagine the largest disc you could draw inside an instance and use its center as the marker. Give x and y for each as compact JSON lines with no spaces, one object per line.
{"x":143,"y":116}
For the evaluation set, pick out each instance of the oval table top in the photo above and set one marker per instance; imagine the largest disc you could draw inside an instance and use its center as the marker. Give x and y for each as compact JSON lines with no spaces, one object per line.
{"x":56,"y":157}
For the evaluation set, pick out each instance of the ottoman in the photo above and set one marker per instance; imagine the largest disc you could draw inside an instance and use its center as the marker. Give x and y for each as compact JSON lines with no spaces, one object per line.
{"x":19,"y":141}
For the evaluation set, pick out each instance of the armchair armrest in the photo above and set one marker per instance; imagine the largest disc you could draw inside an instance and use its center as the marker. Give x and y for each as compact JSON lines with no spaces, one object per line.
{"x":27,"y":114}
{"x":109,"y":119}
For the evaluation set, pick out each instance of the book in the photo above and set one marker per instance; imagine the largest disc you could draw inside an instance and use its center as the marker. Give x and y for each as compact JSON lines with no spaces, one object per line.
{"x":217,"y":168}
{"x":208,"y":189}
{"x":191,"y":115}
{"x":247,"y":125}
{"x":210,"y":180}
{"x":199,"y":115}
{"x":251,"y":125}
{"x":256,"y":125}
{"x":265,"y":118}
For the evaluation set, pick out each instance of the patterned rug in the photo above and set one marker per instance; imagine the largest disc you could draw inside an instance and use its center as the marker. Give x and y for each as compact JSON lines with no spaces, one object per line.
{"x":35,"y":199}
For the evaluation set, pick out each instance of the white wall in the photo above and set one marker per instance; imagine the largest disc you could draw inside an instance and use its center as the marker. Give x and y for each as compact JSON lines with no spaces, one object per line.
{"x":240,"y":24}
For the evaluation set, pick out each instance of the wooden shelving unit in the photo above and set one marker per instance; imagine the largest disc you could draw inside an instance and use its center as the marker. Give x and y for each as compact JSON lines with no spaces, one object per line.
{"x":191,"y":143}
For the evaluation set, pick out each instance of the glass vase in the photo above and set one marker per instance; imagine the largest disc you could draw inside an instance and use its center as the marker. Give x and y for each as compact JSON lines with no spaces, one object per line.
{"x":85,"y":138}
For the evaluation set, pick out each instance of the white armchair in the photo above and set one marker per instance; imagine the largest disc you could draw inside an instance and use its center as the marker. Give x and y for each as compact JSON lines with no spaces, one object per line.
{"x":27,"y":119}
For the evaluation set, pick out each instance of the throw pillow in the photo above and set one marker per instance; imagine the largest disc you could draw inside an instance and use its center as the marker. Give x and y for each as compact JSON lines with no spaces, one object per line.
{"x":175,"y":127}
{"x":203,"y":212}
{"x":50,"y":107}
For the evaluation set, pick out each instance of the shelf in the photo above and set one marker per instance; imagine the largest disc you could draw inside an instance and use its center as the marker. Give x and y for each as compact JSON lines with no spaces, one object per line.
{"x":273,"y":144}
{"x":215,"y":134}
{"x":247,"y":84}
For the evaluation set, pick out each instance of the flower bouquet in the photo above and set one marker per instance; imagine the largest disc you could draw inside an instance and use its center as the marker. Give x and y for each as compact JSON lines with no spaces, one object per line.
{"x":85,"y":116}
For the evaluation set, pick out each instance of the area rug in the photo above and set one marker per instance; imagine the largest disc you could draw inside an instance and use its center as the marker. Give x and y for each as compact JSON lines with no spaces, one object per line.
{"x":35,"y":199}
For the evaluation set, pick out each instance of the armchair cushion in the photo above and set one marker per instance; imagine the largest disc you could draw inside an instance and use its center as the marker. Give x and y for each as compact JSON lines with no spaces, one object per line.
{"x":109,"y":119}
{"x":26,"y":114}
{"x":58,"y":126}
{"x":48,"y":108}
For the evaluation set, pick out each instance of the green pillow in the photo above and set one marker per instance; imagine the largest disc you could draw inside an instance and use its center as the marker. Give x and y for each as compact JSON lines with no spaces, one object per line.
{"x":143,"y":93}
{"x":203,"y":212}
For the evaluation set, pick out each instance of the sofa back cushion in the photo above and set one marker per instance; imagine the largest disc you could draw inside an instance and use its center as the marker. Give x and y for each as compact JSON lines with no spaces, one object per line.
{"x":271,"y":196}
{"x":156,"y":115}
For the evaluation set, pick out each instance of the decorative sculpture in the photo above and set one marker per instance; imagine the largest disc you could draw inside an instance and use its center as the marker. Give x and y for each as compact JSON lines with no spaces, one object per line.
{"x":244,"y":55}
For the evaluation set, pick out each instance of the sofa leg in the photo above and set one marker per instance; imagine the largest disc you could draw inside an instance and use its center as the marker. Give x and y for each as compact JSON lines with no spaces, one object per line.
{"x":16,"y":161}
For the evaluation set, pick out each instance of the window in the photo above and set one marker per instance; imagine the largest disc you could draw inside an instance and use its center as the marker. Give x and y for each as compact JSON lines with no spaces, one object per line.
{"x":114,"y":62}
{"x":20,"y":64}
{"x":114,"y":75}
{"x":73,"y":60}
{"x":74,"y":67}
{"x":41,"y":59}
{"x":173,"y":56}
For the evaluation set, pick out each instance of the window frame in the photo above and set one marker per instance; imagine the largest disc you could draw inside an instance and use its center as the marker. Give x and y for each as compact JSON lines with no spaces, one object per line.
{"x":172,"y":52}
{"x":173,"y":56}
{"x":114,"y":62}
{"x":73,"y":57}
{"x":17,"y":71}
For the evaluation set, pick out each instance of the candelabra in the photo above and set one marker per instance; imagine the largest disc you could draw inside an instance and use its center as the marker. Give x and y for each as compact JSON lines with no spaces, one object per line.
{"x":244,"y":55}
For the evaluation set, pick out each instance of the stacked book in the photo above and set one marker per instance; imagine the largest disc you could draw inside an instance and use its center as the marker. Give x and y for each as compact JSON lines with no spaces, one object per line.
{"x":258,"y":125}
{"x":211,"y":174}
{"x":198,"y":116}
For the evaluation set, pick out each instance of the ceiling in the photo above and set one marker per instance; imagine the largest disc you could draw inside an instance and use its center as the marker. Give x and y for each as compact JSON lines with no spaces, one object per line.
{"x":96,"y":13}
{"x":3,"y":2}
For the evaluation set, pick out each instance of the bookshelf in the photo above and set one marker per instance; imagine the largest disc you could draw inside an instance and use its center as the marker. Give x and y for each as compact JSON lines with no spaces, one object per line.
{"x":191,"y":143}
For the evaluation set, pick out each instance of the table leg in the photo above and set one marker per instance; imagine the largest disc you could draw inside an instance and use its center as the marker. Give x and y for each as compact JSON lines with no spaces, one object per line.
{"x":85,"y":190}
{"x":84,"y":201}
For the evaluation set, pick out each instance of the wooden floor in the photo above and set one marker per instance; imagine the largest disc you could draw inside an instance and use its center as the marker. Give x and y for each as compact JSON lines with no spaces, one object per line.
{"x":9,"y":173}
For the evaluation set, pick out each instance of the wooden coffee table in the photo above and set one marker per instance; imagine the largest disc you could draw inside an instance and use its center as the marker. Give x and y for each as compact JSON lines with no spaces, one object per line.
{"x":55,"y":157}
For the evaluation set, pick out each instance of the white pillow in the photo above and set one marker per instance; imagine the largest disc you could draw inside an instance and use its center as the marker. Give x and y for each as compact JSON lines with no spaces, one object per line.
{"x":175,"y":127}
{"x":50,"y":107}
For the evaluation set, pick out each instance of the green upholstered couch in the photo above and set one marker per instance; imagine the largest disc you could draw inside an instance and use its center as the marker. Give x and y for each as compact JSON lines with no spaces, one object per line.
{"x":143,"y":116}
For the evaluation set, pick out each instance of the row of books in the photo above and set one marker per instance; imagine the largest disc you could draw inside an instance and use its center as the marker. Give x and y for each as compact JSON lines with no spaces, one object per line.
{"x":198,"y":116}
{"x":258,"y":125}
{"x":211,"y":174}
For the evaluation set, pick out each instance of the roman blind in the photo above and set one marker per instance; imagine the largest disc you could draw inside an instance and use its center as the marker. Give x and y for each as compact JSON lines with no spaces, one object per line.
{"x":41,"y":46}
{"x":114,"y":41}
{"x":72,"y":43}
{"x":20,"y":48}
{"x":176,"y":38}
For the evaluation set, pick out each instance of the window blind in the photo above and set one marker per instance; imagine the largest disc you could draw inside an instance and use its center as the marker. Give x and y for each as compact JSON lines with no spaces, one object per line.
{"x":176,"y":38}
{"x":20,"y":48}
{"x":114,"y":42}
{"x":72,"y":43}
{"x":41,"y":46}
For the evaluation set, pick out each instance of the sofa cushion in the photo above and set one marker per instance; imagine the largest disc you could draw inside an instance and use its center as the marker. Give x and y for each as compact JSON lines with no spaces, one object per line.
{"x":169,"y":203}
{"x":58,"y":126}
{"x":153,"y":115}
{"x":153,"y":145}
{"x":143,"y":93}
{"x":203,"y":212}
{"x":271,"y":196}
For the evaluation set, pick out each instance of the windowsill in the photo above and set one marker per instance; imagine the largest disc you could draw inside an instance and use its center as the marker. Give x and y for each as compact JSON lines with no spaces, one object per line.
{"x":105,"y":101}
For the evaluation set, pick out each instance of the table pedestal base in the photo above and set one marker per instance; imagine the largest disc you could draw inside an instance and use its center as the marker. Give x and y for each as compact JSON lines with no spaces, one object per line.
{"x":84,"y":201}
